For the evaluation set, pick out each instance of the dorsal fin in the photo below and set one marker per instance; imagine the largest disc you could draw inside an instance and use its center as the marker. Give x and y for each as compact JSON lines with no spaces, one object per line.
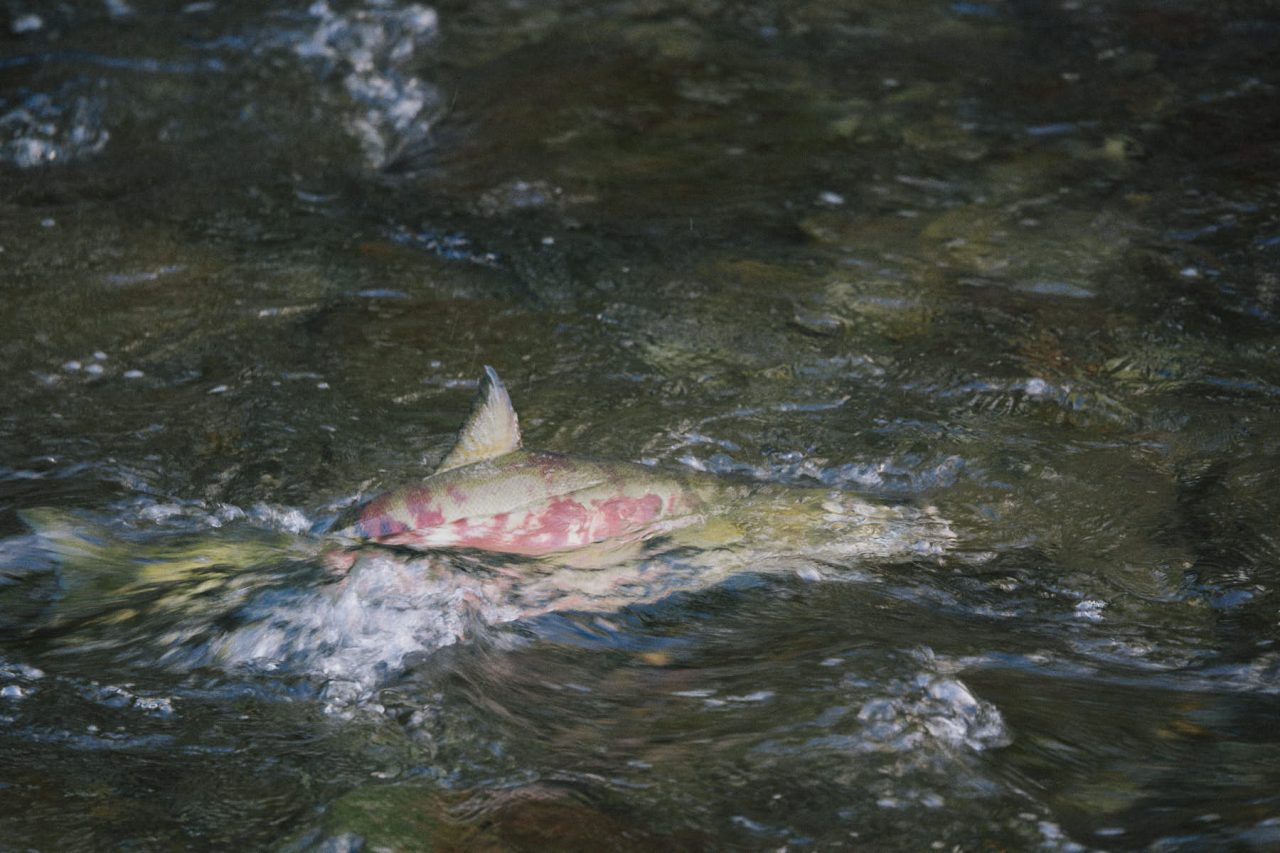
{"x":492,"y":428}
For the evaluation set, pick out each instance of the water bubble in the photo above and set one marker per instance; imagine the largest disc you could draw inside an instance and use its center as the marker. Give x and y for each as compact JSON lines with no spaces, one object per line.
{"x":46,"y":128}
{"x":374,"y":49}
{"x":118,"y":8}
{"x":28,"y":23}
{"x":1090,"y":609}
{"x":757,"y":696}
{"x":20,"y":670}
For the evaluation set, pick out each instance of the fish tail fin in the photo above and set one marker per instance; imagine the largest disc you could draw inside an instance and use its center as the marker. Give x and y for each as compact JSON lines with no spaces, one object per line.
{"x":73,"y":542}
{"x":89,"y":560}
{"x":97,"y":565}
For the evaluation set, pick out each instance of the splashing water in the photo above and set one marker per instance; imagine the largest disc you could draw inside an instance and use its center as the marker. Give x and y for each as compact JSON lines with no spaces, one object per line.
{"x":52,"y":128}
{"x":373,"y":52}
{"x":246,"y":591}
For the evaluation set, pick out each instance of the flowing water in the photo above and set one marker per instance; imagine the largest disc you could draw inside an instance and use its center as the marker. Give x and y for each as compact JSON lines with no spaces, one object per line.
{"x":1002,"y":277}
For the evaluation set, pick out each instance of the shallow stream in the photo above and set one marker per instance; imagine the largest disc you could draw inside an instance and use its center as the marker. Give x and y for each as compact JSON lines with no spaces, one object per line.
{"x":1010,"y":266}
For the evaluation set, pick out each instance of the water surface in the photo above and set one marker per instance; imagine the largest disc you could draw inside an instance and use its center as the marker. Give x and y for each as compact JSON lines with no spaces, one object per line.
{"x":1015,"y":261}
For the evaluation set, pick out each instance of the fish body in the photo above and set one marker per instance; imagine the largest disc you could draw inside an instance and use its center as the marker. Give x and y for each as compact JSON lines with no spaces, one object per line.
{"x":532,"y":504}
{"x":491,"y":495}
{"x":332,"y":606}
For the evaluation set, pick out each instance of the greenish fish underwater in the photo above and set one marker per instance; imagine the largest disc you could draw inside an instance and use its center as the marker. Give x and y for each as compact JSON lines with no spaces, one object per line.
{"x":496,"y":534}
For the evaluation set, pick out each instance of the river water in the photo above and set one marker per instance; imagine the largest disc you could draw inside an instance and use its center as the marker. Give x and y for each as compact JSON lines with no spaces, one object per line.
{"x":1009,"y":271}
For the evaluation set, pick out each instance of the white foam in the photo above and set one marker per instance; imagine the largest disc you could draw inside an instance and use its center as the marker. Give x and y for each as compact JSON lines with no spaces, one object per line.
{"x":358,"y":630}
{"x":52,"y":128}
{"x":373,"y":51}
{"x":937,"y":708}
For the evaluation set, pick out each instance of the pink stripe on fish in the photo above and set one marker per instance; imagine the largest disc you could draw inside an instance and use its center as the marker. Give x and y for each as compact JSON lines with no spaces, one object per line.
{"x":621,"y":515}
{"x":377,"y":519}
{"x":565,"y":523}
{"x":424,"y":512}
{"x":416,"y":517}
